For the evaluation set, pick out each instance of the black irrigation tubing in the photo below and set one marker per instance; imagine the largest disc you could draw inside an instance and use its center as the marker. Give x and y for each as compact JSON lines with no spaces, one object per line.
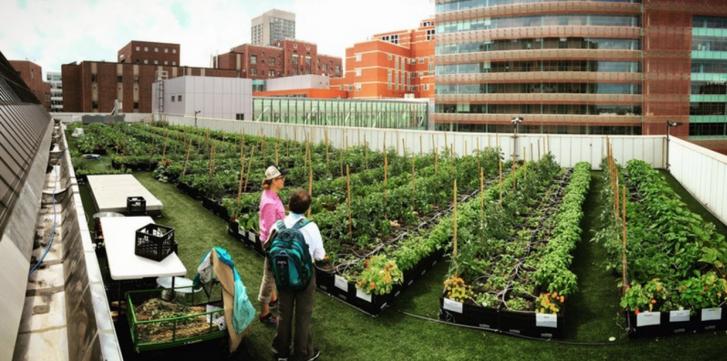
{"x":347,"y":304}
{"x":516,"y":335}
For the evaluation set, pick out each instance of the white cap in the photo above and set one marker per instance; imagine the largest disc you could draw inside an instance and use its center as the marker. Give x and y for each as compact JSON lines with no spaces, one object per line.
{"x":272,"y":172}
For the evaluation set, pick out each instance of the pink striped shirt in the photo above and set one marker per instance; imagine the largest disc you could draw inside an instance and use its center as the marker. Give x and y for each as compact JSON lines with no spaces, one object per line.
{"x":271,"y":210}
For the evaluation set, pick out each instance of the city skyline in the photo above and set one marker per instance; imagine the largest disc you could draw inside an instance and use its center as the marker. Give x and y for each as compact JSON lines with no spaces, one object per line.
{"x":184,"y":22}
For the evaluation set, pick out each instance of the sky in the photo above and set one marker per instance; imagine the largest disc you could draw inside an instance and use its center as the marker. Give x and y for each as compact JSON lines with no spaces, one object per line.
{"x":55,"y":32}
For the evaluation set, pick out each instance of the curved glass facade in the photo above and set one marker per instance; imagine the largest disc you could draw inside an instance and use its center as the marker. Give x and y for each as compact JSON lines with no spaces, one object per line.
{"x":446,"y":6}
{"x":622,"y":84}
{"x":536,"y":44}
{"x":537,"y":21}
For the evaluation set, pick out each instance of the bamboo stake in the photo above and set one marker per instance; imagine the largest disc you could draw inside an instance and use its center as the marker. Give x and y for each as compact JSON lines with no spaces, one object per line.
{"x":386,"y":174}
{"x":465,"y":148}
{"x":499,"y":161}
{"x":348,"y":200}
{"x":403,"y":147}
{"x":249,"y":165}
{"x":624,"y":264}
{"x":211,"y":161}
{"x":328,"y":145}
{"x":539,"y":149}
{"x":277,"y":154}
{"x":454,"y":221}
{"x":366,"y":152}
{"x":482,"y":195}
{"x":413,"y":178}
{"x":531,"y":152}
{"x":421,"y":147}
{"x":310,"y":177}
{"x":434,"y":145}
{"x":166,"y":140}
{"x":186,"y":158}
{"x":436,"y":163}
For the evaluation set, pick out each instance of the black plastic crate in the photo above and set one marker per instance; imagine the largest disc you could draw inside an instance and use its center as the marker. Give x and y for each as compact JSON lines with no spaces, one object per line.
{"x":155,"y":242}
{"x":135,"y":205}
{"x":467,"y":313}
{"x":656,"y":324}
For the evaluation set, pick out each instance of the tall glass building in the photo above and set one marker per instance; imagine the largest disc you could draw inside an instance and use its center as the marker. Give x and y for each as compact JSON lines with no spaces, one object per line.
{"x":593,"y":66}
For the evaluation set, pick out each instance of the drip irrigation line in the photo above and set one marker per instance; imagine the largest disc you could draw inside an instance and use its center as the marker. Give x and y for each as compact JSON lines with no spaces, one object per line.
{"x":516,"y":335}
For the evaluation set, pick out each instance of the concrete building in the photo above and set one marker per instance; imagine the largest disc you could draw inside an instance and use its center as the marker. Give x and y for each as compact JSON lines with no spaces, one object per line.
{"x":598,"y":67}
{"x":147,"y":52}
{"x":288,"y":58}
{"x":395,"y":64}
{"x":300,"y":86}
{"x":272,"y":27}
{"x":213,"y":97}
{"x":56,"y":90}
{"x":32,"y":75}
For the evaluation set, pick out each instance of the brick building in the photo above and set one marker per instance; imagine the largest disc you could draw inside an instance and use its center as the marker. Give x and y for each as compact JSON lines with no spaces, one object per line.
{"x":32,"y":75}
{"x":288,"y":58}
{"x":391,"y":65}
{"x":147,"y":52}
{"x":92,"y":86}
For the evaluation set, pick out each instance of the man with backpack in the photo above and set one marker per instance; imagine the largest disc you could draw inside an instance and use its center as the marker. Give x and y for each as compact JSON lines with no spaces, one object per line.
{"x":296,"y":244}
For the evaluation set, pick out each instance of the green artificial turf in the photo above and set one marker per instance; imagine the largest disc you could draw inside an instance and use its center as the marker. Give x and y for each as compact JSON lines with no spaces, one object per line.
{"x":343,"y":333}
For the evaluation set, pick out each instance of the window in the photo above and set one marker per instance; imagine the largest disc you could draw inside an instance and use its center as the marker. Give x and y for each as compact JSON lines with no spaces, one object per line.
{"x":174,"y":51}
{"x":240,"y":116}
{"x":358,"y":56}
{"x":421,"y":60}
{"x":172,"y":98}
{"x":166,"y":50}
{"x":390,"y":57}
{"x":93,"y":78}
{"x":358,"y":71}
{"x":271,"y":73}
{"x":166,"y":62}
{"x":179,"y":98}
{"x":253,"y":59}
{"x":136,"y":105}
{"x":94,"y":105}
{"x":430,"y":34}
{"x":272,"y":61}
{"x":156,"y":50}
{"x":174,"y":63}
{"x":146,"y":49}
{"x":253,"y":71}
{"x":119,"y":79}
{"x":146,"y":61}
{"x":357,"y":86}
{"x":156,"y":62}
{"x":137,"y":48}
{"x":294,"y":60}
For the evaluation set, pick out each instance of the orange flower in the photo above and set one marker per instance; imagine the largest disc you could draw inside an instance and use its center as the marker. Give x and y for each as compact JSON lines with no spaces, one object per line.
{"x":372,"y":285}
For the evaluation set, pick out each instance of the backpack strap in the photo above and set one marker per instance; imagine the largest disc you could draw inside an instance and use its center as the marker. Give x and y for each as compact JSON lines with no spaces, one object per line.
{"x":301,"y":223}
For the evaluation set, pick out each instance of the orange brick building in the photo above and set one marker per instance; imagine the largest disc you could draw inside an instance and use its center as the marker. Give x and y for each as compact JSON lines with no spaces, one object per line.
{"x":391,"y":65}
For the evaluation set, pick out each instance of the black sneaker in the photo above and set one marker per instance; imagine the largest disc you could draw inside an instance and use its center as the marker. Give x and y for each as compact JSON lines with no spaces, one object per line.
{"x":269,"y":320}
{"x":315,"y":356}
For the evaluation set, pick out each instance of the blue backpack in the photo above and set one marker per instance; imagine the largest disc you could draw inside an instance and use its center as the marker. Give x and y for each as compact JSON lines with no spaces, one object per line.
{"x":289,"y":257}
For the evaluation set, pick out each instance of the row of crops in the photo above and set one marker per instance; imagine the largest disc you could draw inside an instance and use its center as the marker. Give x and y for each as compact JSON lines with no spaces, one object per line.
{"x":510,"y":229}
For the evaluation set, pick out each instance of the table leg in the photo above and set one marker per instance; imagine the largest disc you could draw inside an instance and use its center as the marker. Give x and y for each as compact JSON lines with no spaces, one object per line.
{"x":174,"y":293}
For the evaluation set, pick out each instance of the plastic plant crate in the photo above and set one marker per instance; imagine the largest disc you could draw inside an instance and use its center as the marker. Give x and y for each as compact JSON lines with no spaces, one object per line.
{"x":177,"y":337}
{"x":527,"y":323}
{"x":155,"y":242}
{"x":372,"y":304}
{"x":656,"y":324}
{"x":135,"y":205}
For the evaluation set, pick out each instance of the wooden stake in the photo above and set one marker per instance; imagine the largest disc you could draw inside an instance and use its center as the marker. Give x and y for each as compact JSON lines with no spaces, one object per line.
{"x":538,"y":149}
{"x":277,"y":154}
{"x":436,"y":163}
{"x":249,"y":165}
{"x":531,"y":152}
{"x":403,"y":146}
{"x":386,"y":174}
{"x":413,"y":178}
{"x":482,"y":194}
{"x":465,"y":148}
{"x":624,"y":260}
{"x":366,"y":152}
{"x":421,"y":147}
{"x":166,"y":140}
{"x":211,"y":161}
{"x":499,"y":161}
{"x":186,"y":158}
{"x":310,"y":177}
{"x":454,"y":221}
{"x":348,"y":200}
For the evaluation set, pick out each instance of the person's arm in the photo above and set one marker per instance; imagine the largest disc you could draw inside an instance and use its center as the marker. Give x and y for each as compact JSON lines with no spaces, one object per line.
{"x":267,"y":220}
{"x":316,"y":243}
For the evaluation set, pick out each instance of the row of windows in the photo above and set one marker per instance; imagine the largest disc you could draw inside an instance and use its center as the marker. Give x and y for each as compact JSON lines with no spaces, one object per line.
{"x":469,"y":4}
{"x":536,"y":21}
{"x":530,"y":66}
{"x":536,"y":88}
{"x":156,"y":62}
{"x":156,"y":50}
{"x":582,"y":109}
{"x":707,"y":108}
{"x":541,"y":43}
{"x":705,"y":43}
{"x":179,"y":98}
{"x":542,"y":129}
{"x":709,"y":22}
{"x":711,"y":129}
{"x":705,"y":66}
{"x":699,"y":87}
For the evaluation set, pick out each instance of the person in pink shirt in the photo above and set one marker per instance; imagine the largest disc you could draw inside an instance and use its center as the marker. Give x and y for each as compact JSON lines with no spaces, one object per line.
{"x":271,"y":210}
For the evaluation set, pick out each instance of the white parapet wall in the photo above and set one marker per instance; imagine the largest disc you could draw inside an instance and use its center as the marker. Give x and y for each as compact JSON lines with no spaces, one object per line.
{"x":77,"y":117}
{"x":702,"y":172}
{"x":567,"y":149}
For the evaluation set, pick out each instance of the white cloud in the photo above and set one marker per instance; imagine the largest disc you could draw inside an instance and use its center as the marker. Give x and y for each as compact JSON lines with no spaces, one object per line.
{"x":54,"y":32}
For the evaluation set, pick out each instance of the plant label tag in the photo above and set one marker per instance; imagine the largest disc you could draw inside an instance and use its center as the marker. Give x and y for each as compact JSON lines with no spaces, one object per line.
{"x":546,"y":320}
{"x":711,"y":314}
{"x":679,"y":316}
{"x":648,"y":319}
{"x":363,"y":295}
{"x":452,"y":305}
{"x":340,"y":283}
{"x":251,"y":235}
{"x":241,"y":232}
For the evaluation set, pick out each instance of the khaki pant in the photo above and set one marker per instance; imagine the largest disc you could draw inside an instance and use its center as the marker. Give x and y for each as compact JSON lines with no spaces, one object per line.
{"x":298,"y":307}
{"x":267,"y":286}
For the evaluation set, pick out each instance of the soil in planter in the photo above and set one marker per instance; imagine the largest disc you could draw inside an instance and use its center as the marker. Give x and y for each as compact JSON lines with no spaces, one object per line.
{"x":158,"y":309}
